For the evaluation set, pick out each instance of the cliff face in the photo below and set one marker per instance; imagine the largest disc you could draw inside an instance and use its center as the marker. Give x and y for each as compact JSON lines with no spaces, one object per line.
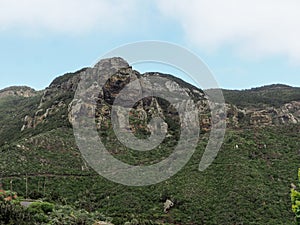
{"x":57,"y":99}
{"x":288,"y":113}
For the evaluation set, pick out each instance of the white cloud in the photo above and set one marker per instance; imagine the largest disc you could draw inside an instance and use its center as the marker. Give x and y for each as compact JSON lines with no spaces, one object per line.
{"x":256,"y":28}
{"x":66,"y":16}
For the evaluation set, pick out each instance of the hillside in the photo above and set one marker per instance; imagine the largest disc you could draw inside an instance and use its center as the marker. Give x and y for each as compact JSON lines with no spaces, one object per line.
{"x":270,"y":95}
{"x":248,"y":183}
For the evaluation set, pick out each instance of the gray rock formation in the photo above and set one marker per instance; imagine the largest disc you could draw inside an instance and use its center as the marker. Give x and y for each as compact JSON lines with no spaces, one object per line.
{"x":116,"y":74}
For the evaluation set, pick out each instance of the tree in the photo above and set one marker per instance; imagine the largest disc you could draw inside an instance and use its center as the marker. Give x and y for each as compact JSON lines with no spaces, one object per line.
{"x":295,"y":197}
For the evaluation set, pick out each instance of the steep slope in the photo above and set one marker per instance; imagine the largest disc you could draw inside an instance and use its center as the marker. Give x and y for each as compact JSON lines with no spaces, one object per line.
{"x":15,"y":104}
{"x":248,"y":183}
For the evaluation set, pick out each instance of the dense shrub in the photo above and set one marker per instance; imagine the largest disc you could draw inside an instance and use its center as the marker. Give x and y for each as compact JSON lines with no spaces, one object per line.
{"x":295,"y":197}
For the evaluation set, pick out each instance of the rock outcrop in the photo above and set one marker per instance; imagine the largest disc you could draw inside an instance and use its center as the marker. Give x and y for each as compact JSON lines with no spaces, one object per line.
{"x":116,"y":74}
{"x":20,"y":91}
{"x":289,"y":113}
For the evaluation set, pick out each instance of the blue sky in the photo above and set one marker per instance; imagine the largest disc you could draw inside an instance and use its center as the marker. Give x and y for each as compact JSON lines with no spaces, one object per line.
{"x":245,"y":43}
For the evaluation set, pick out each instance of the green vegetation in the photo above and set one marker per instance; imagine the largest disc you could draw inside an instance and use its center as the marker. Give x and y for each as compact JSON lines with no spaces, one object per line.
{"x":244,"y":185}
{"x":247,"y":185}
{"x":272,"y":95}
{"x":295,"y":197}
{"x":45,"y":213}
{"x":13,"y":110}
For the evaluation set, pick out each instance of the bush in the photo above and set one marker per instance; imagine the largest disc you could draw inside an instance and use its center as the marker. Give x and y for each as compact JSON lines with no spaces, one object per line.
{"x":295,"y":198}
{"x":40,"y":211}
{"x":41,"y":207}
{"x":13,"y":214}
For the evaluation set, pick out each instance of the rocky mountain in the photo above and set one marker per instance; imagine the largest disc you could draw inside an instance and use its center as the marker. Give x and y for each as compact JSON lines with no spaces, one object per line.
{"x":265,"y":106}
{"x":58,"y":97}
{"x":248,"y":183}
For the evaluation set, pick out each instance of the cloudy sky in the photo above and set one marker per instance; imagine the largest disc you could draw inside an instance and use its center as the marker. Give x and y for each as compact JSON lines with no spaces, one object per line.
{"x":245,"y":43}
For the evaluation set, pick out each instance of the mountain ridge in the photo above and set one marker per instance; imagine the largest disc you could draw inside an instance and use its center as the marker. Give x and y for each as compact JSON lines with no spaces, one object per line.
{"x":266,"y":105}
{"x":248,"y":183}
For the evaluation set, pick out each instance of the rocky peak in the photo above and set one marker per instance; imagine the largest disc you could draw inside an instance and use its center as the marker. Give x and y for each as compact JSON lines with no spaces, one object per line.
{"x":57,"y":97}
{"x":114,"y":74}
{"x":112,"y":63}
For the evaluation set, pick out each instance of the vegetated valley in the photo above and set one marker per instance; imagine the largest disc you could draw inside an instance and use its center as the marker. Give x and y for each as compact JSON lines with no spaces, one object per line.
{"x":248,"y":183}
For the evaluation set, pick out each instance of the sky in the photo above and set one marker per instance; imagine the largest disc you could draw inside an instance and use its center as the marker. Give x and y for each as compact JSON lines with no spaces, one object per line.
{"x":244,"y":43}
